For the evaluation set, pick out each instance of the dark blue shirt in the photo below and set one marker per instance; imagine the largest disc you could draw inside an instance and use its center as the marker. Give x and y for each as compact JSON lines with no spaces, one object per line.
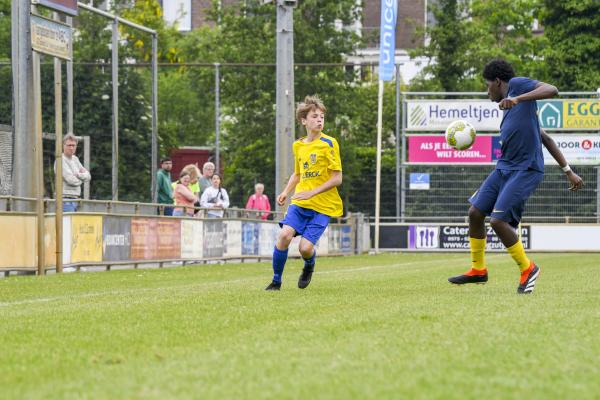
{"x":520,"y":131}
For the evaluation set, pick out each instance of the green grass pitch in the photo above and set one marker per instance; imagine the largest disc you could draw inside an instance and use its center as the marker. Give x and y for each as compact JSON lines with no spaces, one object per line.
{"x":368,"y":327}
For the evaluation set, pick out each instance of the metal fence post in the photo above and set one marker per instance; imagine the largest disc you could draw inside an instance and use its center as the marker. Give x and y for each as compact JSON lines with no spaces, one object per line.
{"x":86,"y":165}
{"x":397,"y":142}
{"x":115,"y":109}
{"x":403,"y":160}
{"x":597,"y":195}
{"x":58,"y":130}
{"x":154,"y":194}
{"x":217,"y":119}
{"x":39,"y":160}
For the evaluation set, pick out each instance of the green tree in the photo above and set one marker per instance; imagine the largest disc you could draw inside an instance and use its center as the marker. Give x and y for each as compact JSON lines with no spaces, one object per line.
{"x":467,"y":34}
{"x":573,"y":31}
{"x":248,"y":93}
{"x":93,"y":93}
{"x":5,"y":67}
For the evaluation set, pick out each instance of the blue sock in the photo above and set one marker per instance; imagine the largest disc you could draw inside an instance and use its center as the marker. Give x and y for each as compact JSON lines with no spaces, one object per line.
{"x":310,"y":262}
{"x":279,"y":259}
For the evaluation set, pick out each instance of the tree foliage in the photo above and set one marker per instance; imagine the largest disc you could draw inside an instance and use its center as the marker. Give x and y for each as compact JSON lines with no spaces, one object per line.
{"x":573,"y":31}
{"x":5,"y":67}
{"x":93,"y":95}
{"x":467,"y":34}
{"x":247,"y":36}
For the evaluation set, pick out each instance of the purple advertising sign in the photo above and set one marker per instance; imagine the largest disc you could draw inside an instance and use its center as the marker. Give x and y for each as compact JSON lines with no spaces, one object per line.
{"x":434,"y":149}
{"x":66,"y":6}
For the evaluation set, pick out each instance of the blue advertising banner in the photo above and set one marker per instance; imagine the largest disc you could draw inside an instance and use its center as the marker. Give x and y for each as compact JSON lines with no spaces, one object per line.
{"x":250,"y":238}
{"x":346,"y":245}
{"x":389,"y":12}
{"x":419,"y":181}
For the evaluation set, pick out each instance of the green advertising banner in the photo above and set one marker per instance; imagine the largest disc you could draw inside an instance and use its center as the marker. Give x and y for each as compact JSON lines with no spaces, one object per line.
{"x":576,"y":114}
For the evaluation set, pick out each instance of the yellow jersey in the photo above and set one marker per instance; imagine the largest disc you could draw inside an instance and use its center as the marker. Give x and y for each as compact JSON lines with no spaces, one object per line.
{"x":314,"y":162}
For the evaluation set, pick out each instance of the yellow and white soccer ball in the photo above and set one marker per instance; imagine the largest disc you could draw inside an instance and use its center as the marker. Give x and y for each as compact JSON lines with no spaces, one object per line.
{"x":460,"y":135}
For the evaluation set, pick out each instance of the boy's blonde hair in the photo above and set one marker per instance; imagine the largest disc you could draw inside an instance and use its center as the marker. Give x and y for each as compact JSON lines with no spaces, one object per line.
{"x":192,"y":171}
{"x":309,"y":104}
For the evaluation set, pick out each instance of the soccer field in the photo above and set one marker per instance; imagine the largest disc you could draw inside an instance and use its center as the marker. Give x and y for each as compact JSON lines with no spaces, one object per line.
{"x":368,"y":327}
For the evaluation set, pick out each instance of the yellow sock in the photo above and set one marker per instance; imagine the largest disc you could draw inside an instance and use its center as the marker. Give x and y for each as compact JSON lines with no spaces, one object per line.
{"x":517,"y":252}
{"x":477,"y":253}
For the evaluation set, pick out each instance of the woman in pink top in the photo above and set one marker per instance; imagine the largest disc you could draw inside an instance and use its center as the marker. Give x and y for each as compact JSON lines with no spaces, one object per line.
{"x":259,"y":201}
{"x":184,"y":196}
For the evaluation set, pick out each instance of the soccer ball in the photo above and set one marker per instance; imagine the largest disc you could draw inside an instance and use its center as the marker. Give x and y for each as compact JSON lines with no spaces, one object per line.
{"x":460,"y":135}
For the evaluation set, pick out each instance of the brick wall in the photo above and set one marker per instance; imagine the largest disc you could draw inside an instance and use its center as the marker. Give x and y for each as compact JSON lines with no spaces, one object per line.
{"x":411,"y":13}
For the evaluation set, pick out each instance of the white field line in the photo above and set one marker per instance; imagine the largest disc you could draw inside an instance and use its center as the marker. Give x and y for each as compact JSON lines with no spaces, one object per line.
{"x":121,"y":292}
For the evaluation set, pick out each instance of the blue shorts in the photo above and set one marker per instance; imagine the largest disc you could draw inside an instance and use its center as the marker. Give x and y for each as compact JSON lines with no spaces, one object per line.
{"x":307,"y":223}
{"x":504,"y":192}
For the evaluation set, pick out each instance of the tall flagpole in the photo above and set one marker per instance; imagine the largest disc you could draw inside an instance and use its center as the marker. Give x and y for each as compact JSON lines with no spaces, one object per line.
{"x":378,"y":164}
{"x":389,"y":12}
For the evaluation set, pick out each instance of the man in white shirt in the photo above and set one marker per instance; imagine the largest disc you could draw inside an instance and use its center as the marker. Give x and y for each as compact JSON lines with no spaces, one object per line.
{"x":205,"y":181}
{"x":73,"y":174}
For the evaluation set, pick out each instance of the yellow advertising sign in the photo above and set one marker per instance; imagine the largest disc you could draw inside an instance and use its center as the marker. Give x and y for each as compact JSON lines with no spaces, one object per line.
{"x":51,"y":37}
{"x":50,"y":241}
{"x":18,"y":241}
{"x":86,"y":238}
{"x":581,"y":114}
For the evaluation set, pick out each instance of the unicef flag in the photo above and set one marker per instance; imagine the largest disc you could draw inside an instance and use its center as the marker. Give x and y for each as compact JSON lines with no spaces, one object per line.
{"x":389,"y":12}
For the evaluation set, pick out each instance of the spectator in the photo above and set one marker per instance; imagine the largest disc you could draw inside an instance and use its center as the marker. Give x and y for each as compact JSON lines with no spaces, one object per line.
{"x":194,"y":172}
{"x":208,"y":169}
{"x":259,"y":201}
{"x":163,"y":185}
{"x":215,"y":198}
{"x":194,"y":178}
{"x":73,"y":174}
{"x":184,"y":196}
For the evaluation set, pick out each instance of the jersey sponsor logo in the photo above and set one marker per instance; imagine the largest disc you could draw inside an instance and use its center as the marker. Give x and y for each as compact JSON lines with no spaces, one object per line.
{"x":313,"y":158}
{"x":305,"y":165}
{"x":311,"y":174}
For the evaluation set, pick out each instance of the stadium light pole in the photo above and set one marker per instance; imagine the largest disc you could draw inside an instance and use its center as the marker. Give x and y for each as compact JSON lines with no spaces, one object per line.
{"x":284,"y":119}
{"x":23,"y":177}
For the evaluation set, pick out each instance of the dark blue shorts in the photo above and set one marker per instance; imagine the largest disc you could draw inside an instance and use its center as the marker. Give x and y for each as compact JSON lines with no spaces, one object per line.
{"x":307,"y":223}
{"x":504,"y":192}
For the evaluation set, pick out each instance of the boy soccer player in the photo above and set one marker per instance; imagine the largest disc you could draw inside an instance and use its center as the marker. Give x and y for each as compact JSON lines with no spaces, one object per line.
{"x":317,"y":173}
{"x":518,"y":172}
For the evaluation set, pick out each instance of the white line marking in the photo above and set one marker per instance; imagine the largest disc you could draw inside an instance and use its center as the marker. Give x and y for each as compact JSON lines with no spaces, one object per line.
{"x":231,"y":281}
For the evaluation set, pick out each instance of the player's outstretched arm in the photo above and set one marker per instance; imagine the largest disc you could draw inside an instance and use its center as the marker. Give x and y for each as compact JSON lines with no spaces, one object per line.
{"x":575,"y":181}
{"x":291,"y":185}
{"x":334,"y":180}
{"x":542,"y":91}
